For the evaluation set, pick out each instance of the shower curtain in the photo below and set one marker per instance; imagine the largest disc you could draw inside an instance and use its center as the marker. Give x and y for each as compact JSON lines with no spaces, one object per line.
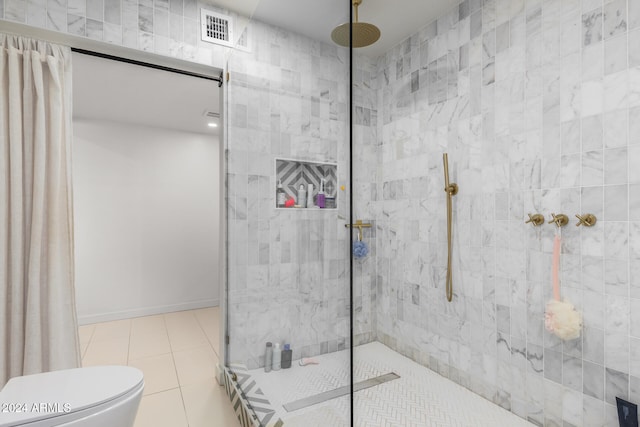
{"x":38,"y":328}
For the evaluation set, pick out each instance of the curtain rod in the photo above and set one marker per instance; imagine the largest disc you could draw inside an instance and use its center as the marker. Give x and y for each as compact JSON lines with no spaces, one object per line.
{"x":147,"y":64}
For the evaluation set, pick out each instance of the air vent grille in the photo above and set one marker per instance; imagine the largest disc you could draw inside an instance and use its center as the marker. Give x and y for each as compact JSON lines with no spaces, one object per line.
{"x":216,"y":27}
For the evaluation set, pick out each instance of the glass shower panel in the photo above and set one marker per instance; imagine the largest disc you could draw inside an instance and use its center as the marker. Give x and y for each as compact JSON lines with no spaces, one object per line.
{"x":288,"y":253}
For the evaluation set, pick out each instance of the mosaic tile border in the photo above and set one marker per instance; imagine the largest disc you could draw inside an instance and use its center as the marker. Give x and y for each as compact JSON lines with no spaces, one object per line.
{"x":249,"y":403}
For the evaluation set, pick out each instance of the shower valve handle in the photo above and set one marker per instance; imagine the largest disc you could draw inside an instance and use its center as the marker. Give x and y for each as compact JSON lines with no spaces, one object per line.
{"x":587,"y":220}
{"x":560,"y":220}
{"x":536,"y":219}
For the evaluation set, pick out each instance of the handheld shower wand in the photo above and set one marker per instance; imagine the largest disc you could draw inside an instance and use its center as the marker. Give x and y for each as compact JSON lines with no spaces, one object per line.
{"x":451,"y":189}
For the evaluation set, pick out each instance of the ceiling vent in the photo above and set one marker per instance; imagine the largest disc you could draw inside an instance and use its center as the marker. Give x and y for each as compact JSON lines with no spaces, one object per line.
{"x":216,"y":27}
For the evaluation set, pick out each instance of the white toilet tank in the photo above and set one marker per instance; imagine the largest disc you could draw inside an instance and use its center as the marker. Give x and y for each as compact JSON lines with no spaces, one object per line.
{"x":102,"y":396}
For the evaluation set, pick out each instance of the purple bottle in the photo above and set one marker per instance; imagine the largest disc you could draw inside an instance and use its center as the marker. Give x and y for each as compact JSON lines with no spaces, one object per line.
{"x":320,"y":197}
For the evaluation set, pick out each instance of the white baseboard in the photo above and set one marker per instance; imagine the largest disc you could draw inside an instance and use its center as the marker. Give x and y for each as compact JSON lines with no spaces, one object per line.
{"x":146,"y":311}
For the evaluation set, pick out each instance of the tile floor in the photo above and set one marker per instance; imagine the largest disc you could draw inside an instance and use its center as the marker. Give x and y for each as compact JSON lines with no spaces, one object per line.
{"x":177,"y":352}
{"x":419,"y":398}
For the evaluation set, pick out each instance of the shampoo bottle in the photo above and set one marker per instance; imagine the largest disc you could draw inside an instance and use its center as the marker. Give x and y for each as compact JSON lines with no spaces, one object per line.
{"x":277,"y":357}
{"x":320,"y":198}
{"x":310,"y":196}
{"x":281,"y":196}
{"x":302,"y":196}
{"x":286,"y":356}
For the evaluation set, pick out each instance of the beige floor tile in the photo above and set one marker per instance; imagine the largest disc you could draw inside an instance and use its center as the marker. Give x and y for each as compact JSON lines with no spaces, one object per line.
{"x":159,"y":373}
{"x":85,"y":332}
{"x":111,"y":330}
{"x":187,"y":338}
{"x":177,"y":354}
{"x":148,"y":325}
{"x":209,"y":321}
{"x":106,"y":352}
{"x":179,"y":318}
{"x":207,"y":405}
{"x":163,"y":409}
{"x":147,"y":345}
{"x":195,"y":365}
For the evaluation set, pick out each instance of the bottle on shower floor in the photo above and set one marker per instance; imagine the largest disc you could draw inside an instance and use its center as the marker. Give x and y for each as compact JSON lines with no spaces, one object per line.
{"x":286,"y":356}
{"x":277,"y":357}
{"x":268,"y":357}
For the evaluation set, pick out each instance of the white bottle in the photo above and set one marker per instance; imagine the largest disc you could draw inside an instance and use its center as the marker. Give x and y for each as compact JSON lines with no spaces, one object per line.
{"x":310,"y":196}
{"x":281,"y":196}
{"x":302,"y":196}
{"x":277,"y":356}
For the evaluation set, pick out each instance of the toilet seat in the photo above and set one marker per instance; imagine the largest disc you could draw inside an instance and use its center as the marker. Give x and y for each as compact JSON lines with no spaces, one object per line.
{"x":57,"y":397}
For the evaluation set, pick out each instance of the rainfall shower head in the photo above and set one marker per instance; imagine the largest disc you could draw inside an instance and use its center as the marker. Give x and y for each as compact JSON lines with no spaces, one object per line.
{"x":364,"y":34}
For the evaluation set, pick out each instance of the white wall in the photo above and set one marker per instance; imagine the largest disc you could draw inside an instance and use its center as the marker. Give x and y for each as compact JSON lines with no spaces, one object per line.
{"x":146,"y":220}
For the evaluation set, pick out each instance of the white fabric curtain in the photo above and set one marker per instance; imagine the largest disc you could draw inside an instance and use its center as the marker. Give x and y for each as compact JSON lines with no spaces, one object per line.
{"x":38,"y":327}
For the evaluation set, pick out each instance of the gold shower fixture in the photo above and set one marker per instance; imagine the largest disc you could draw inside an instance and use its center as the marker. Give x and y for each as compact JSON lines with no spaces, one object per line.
{"x":535,"y":219}
{"x":451,"y":188}
{"x":359,"y":225}
{"x":588,"y":220}
{"x":560,"y":220}
{"x":364,"y":34}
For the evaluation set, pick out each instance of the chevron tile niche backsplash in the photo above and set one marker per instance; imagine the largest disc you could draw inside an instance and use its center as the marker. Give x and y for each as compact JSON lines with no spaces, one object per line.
{"x":292,"y":173}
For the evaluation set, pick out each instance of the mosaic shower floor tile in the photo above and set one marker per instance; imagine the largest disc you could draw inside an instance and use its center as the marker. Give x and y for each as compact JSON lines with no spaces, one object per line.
{"x":420,"y":397}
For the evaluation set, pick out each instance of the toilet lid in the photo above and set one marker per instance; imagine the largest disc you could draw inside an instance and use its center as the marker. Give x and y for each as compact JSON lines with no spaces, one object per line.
{"x":40,"y":396}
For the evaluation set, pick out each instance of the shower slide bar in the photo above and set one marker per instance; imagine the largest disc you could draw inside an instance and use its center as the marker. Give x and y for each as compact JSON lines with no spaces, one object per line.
{"x":451,"y":189}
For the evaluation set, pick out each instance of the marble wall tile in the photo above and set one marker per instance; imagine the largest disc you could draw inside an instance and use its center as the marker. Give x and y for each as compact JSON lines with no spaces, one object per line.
{"x":593,"y":412}
{"x":592,"y":26}
{"x":36,"y":15}
{"x":176,"y":6}
{"x":95,"y":9}
{"x":56,"y":21}
{"x":615,"y":165}
{"x":616,"y":385}
{"x":615,"y":18}
{"x":161,"y":22}
{"x":76,"y":25}
{"x":616,"y":203}
{"x":15,"y":10}
{"x":145,"y":19}
{"x":634,"y":359}
{"x":593,"y":384}
{"x":57,"y":5}
{"x":615,"y":54}
{"x":112,"y":11}
{"x":112,"y":33}
{"x":77,"y":7}
{"x":94,"y":29}
{"x":634,"y":14}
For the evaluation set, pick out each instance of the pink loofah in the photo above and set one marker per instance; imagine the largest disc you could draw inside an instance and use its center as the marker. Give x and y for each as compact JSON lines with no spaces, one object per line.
{"x":561,"y":317}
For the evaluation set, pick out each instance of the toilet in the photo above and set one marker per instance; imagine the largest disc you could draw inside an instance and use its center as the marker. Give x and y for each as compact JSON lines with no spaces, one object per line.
{"x":101,"y":396}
